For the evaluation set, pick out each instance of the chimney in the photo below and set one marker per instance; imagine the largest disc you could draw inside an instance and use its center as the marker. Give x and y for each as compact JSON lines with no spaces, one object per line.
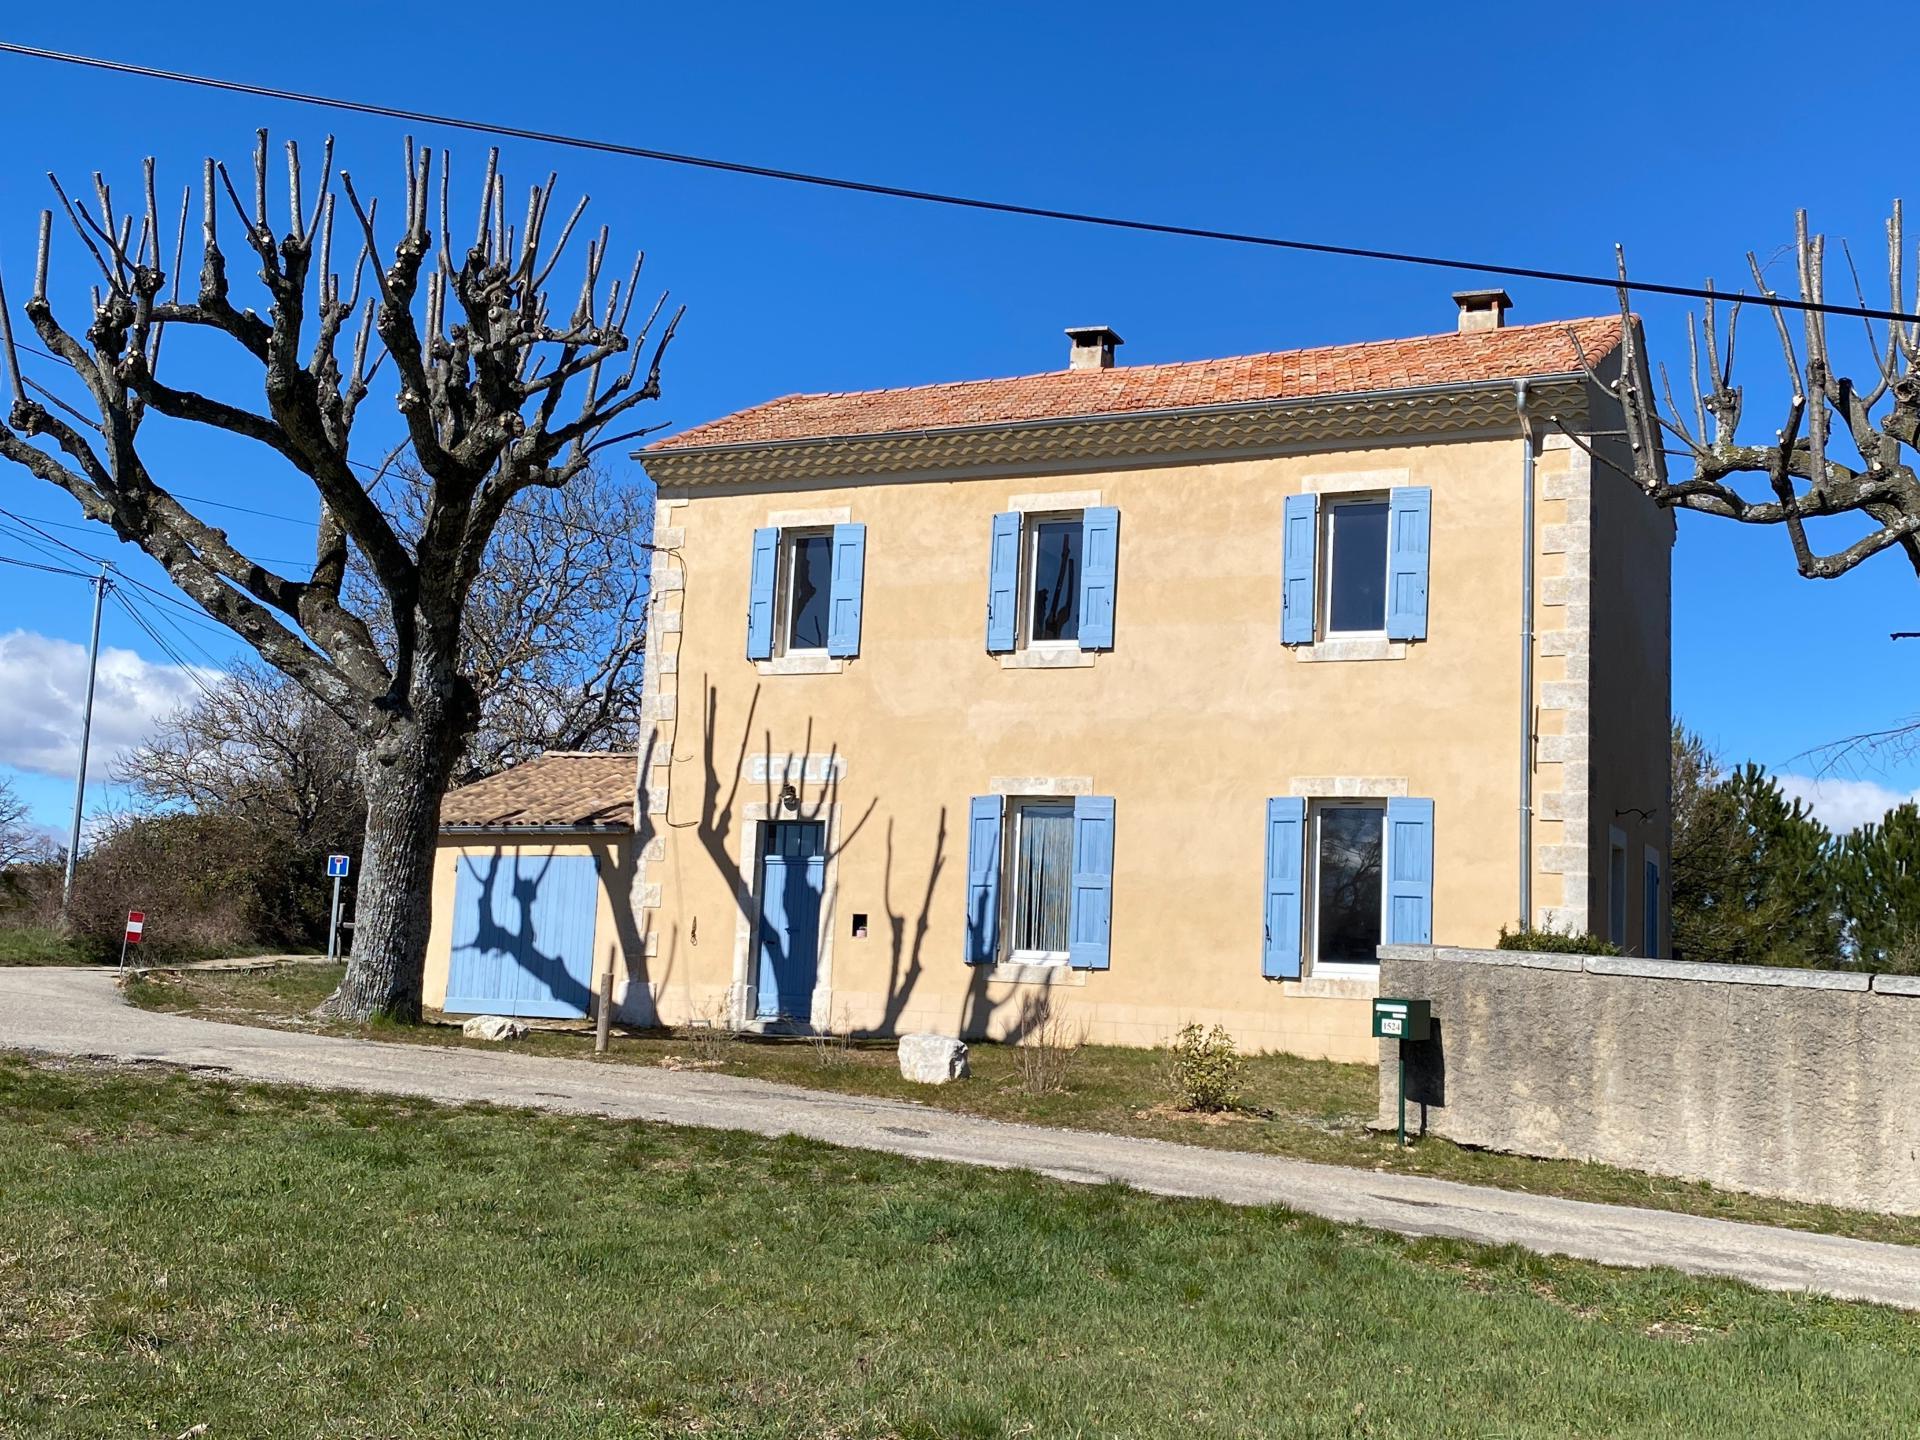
{"x":1482,"y":309}
{"x":1092,"y":347}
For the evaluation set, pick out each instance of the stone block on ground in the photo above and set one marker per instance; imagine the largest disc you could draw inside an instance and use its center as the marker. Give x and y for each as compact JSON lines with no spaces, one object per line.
{"x":933,"y":1059}
{"x":494,"y":1027}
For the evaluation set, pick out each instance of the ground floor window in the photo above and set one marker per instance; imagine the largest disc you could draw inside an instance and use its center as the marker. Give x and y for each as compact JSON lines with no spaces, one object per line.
{"x":1349,"y":840}
{"x":1617,"y":889}
{"x":1041,"y":892}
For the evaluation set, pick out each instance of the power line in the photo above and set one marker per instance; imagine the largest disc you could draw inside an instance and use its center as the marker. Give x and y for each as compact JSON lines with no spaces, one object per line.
{"x":933,"y":197}
{"x":50,"y":569}
{"x":187,"y":668}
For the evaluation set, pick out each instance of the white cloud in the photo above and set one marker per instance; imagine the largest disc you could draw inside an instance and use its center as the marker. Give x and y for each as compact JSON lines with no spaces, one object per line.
{"x":43,"y":688}
{"x":1843,"y":805}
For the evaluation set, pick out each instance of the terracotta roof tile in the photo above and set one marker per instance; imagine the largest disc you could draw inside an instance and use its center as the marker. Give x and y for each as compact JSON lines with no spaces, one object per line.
{"x":561,"y":787}
{"x":1506,"y":354}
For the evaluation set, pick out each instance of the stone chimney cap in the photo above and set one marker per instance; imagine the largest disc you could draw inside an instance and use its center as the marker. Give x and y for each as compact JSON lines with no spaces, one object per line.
{"x":1483,"y":309}
{"x":1092,"y":347}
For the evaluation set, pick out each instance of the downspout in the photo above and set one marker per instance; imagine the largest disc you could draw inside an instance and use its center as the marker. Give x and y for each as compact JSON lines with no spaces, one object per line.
{"x":1526,"y":655}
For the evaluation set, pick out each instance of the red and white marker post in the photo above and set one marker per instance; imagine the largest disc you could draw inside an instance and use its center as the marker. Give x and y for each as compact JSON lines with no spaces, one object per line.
{"x":136,"y":923}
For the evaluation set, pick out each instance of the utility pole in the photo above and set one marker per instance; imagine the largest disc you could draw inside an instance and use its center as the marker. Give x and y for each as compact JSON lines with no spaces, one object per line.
{"x":100,"y":585}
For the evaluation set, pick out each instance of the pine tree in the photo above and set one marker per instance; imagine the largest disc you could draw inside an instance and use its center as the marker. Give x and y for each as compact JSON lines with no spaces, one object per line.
{"x":1753,"y":873}
{"x":1878,"y":883}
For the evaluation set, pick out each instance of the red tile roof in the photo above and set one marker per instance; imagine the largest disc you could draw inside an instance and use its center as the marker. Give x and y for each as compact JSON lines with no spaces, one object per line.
{"x":1506,"y":354}
{"x":561,"y":787}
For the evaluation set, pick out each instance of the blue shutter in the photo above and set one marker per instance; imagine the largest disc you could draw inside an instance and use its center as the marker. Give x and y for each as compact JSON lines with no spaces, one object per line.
{"x":766,"y":564}
{"x":1409,"y":529}
{"x":1090,"y":922}
{"x":1099,"y":568}
{"x":1003,"y":581}
{"x":1286,"y":872}
{"x":849,"y":572}
{"x":1409,"y":872}
{"x":1301,"y":538}
{"x":983,"y":879}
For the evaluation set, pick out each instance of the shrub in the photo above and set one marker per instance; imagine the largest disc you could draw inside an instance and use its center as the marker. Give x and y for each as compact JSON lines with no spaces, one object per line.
{"x":1204,"y":1069}
{"x":1047,"y":1048}
{"x":1555,"y":942}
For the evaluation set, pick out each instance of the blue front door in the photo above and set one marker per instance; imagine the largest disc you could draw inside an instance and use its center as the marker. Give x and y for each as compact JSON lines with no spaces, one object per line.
{"x":793,"y":874}
{"x":523,"y":935}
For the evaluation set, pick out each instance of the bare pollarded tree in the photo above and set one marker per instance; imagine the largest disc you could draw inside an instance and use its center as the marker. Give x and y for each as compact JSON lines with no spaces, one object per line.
{"x":1841,"y":448}
{"x":482,"y":367}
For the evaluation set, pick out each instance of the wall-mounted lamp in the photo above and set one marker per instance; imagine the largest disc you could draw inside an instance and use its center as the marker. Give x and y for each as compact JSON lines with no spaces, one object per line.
{"x":789,"y":799}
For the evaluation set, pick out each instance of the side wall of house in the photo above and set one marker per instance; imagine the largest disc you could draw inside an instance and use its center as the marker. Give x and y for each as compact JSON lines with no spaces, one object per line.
{"x":1632,"y":704}
{"x":616,"y":933}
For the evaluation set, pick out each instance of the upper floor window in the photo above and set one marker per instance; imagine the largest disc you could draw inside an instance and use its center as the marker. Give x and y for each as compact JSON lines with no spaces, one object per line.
{"x":1051,"y":580}
{"x":804,"y":591}
{"x":1357,"y":570}
{"x":1054,"y":553}
{"x":1357,"y":567}
{"x":806,"y":558}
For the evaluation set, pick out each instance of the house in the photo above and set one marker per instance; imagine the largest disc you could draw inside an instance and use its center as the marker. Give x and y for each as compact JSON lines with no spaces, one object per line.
{"x":1137,"y":695}
{"x":532,"y":888}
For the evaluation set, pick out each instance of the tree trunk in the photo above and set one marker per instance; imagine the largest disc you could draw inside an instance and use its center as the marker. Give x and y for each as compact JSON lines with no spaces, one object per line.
{"x":404,"y":769}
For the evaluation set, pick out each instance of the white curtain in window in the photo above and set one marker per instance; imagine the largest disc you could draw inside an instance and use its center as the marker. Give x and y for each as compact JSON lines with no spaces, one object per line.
{"x":1043,"y":878}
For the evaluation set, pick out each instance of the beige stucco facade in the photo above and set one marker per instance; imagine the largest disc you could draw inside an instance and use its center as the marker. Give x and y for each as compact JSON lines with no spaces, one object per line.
{"x":1190,"y":722}
{"x":615,"y":931}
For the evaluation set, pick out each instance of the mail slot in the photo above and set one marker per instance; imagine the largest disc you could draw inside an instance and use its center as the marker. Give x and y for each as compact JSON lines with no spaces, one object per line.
{"x":1402,"y":1019}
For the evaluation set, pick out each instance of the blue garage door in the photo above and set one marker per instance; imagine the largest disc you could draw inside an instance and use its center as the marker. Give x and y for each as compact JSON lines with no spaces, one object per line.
{"x":523,"y":935}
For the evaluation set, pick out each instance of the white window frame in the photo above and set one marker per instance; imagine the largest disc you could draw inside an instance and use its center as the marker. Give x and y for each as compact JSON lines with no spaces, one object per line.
{"x":1016,"y":809}
{"x":1330,"y":508}
{"x":783,"y":587}
{"x":1030,"y":523}
{"x":1337,"y":969}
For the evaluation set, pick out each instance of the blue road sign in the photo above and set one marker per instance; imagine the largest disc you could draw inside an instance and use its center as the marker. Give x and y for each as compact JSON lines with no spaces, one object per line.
{"x":336,"y":866}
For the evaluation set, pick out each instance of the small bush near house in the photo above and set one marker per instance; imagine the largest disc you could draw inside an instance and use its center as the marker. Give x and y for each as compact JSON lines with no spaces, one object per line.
{"x":1205,"y":1069}
{"x":1555,"y":942}
{"x":1047,"y":1048}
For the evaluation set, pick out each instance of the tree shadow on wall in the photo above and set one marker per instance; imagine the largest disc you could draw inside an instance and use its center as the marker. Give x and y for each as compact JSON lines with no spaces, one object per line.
{"x":791,"y":796}
{"x":519,"y":941}
{"x":813,"y":799}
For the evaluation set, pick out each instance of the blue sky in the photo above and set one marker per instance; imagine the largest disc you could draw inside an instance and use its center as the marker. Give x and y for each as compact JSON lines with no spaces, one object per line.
{"x":1498,"y":131}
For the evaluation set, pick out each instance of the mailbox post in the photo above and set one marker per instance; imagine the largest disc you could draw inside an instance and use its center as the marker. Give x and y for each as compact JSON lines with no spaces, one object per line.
{"x":1402,"y":1020}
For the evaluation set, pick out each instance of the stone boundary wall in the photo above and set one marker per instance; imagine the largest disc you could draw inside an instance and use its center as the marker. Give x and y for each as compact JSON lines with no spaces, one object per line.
{"x":1797,"y":1083}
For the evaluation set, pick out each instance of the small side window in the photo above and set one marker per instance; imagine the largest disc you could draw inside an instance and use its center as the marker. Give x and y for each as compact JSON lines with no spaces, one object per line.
{"x":1617,"y":889}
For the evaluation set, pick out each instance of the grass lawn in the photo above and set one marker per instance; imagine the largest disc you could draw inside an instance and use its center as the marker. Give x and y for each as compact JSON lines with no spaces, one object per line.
{"x":267,"y":1262}
{"x":41,"y":945}
{"x":1308,"y":1109}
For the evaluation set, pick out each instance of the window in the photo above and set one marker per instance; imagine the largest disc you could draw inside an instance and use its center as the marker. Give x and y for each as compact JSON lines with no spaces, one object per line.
{"x":806,"y":589}
{"x":1041,"y":879}
{"x":1349,"y":841}
{"x":1617,"y":889}
{"x":1357,"y":567}
{"x":1650,"y":907}
{"x":1053,"y":581}
{"x":804,"y":593}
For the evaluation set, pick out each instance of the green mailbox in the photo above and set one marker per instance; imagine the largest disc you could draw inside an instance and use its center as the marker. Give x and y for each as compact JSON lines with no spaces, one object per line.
{"x":1402,"y":1019}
